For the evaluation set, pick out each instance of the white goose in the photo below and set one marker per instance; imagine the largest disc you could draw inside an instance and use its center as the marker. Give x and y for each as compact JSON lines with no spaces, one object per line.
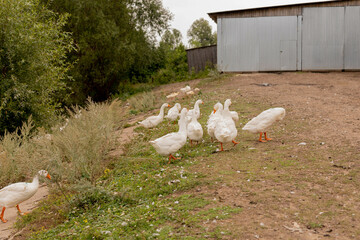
{"x":196,"y":109}
{"x":153,"y":121}
{"x":172,"y":142}
{"x":194,"y":129}
{"x":225,"y":129}
{"x":264,"y":120}
{"x":174,"y":112}
{"x":215,"y":116}
{"x":185,"y":89}
{"x":16,"y":193}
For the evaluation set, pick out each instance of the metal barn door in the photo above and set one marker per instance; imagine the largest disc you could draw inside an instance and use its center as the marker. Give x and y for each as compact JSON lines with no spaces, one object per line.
{"x":323,"y":38}
{"x":278,"y":39}
{"x":352,"y":38}
{"x":257,"y":44}
{"x":288,"y":55}
{"x":238,"y":47}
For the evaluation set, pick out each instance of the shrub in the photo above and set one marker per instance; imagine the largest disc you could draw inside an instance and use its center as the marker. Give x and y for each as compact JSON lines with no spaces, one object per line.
{"x":143,"y":101}
{"x":74,"y":153}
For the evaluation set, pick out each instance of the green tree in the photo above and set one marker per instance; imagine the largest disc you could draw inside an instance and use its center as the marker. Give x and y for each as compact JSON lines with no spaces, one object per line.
{"x":32,"y":53}
{"x":200,"y":34}
{"x":116,"y":42}
{"x":174,"y":62}
{"x":171,"y":39}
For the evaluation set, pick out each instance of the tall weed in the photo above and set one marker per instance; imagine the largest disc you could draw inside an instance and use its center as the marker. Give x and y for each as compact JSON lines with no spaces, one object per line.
{"x":143,"y":101}
{"x":74,"y":153}
{"x":16,"y":154}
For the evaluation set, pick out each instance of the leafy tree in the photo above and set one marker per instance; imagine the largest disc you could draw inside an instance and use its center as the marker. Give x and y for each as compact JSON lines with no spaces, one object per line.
{"x":116,"y":42}
{"x":32,"y":52}
{"x":171,"y":39}
{"x":174,"y":66}
{"x":200,"y":34}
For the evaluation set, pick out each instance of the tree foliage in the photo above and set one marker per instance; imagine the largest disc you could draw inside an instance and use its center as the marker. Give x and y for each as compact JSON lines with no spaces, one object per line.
{"x":171,"y":39}
{"x":174,"y":62}
{"x":116,"y":42}
{"x":32,"y":62}
{"x":200,"y":34}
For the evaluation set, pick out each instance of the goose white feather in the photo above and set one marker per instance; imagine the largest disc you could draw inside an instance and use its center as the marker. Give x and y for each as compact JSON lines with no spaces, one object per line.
{"x":185,"y":89}
{"x":264,"y":120}
{"x":174,"y":112}
{"x":196,"y":110}
{"x":16,"y":193}
{"x":172,"y":142}
{"x":194,"y":129}
{"x":153,"y":121}
{"x":225,"y":129}
{"x":213,"y":118}
{"x":216,"y":115}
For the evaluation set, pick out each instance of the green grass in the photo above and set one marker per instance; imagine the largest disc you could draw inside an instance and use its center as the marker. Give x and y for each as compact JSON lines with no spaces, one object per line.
{"x":138,"y":195}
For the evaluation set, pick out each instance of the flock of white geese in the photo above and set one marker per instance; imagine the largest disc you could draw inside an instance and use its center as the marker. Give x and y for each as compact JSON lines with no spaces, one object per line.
{"x":221,"y":125}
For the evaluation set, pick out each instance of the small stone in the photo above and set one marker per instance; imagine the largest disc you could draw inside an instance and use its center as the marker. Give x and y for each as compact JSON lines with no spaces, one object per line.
{"x":302,"y":144}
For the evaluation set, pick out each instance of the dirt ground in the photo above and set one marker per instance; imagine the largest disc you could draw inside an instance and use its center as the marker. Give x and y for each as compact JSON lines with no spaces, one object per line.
{"x":318,"y":198}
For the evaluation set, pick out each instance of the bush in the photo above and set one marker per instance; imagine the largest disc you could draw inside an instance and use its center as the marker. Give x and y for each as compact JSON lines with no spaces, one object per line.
{"x":143,"y":101}
{"x":74,"y":153}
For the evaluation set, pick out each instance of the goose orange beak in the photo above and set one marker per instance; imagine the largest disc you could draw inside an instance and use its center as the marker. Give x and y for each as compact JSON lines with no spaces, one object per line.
{"x":48,"y":176}
{"x":214,"y":110}
{"x":169,"y":105}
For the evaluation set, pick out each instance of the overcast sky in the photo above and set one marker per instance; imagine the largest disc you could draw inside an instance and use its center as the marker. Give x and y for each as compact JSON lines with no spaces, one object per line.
{"x":187,"y":11}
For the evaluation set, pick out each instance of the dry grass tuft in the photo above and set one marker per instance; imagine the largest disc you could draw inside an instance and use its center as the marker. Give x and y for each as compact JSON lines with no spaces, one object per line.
{"x":143,"y":101}
{"x":73,"y":153}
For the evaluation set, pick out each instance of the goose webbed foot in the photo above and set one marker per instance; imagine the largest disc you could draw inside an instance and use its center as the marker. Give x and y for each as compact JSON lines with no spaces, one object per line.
{"x":20,"y":212}
{"x":172,"y":157}
{"x":266,"y":138}
{"x":260,"y":138}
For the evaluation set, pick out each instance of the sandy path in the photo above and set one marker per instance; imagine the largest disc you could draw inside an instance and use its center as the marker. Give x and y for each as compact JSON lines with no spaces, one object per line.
{"x":11,"y":214}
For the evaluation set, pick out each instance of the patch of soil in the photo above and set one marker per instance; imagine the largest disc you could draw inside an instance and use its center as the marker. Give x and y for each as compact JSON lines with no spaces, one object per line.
{"x":317,"y":198}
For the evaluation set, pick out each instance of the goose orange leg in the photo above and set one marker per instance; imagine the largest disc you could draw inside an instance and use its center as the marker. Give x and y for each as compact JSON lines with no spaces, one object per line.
{"x":233,"y":141}
{"x":222,"y":149}
{"x":190,"y":142}
{"x":2,"y":215}
{"x":172,"y":157}
{"x":21,"y":213}
{"x":260,"y":140}
{"x":266,"y":138}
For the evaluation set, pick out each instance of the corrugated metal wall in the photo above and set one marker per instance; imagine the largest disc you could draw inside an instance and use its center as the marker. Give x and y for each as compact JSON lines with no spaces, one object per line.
{"x":323,"y":38}
{"x":326,"y":38}
{"x":257,"y":44}
{"x":352,"y":38}
{"x":291,"y":10}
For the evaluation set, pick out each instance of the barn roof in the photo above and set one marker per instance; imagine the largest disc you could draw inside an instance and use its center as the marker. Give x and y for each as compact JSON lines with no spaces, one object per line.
{"x":277,"y":4}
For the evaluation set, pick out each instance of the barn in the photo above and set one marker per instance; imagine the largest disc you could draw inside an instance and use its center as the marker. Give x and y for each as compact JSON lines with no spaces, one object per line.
{"x":316,"y":36}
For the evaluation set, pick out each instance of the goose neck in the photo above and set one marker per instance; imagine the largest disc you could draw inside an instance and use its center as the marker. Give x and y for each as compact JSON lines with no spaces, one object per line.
{"x":182,"y":125}
{"x":161,"y":114}
{"x":35,"y":181}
